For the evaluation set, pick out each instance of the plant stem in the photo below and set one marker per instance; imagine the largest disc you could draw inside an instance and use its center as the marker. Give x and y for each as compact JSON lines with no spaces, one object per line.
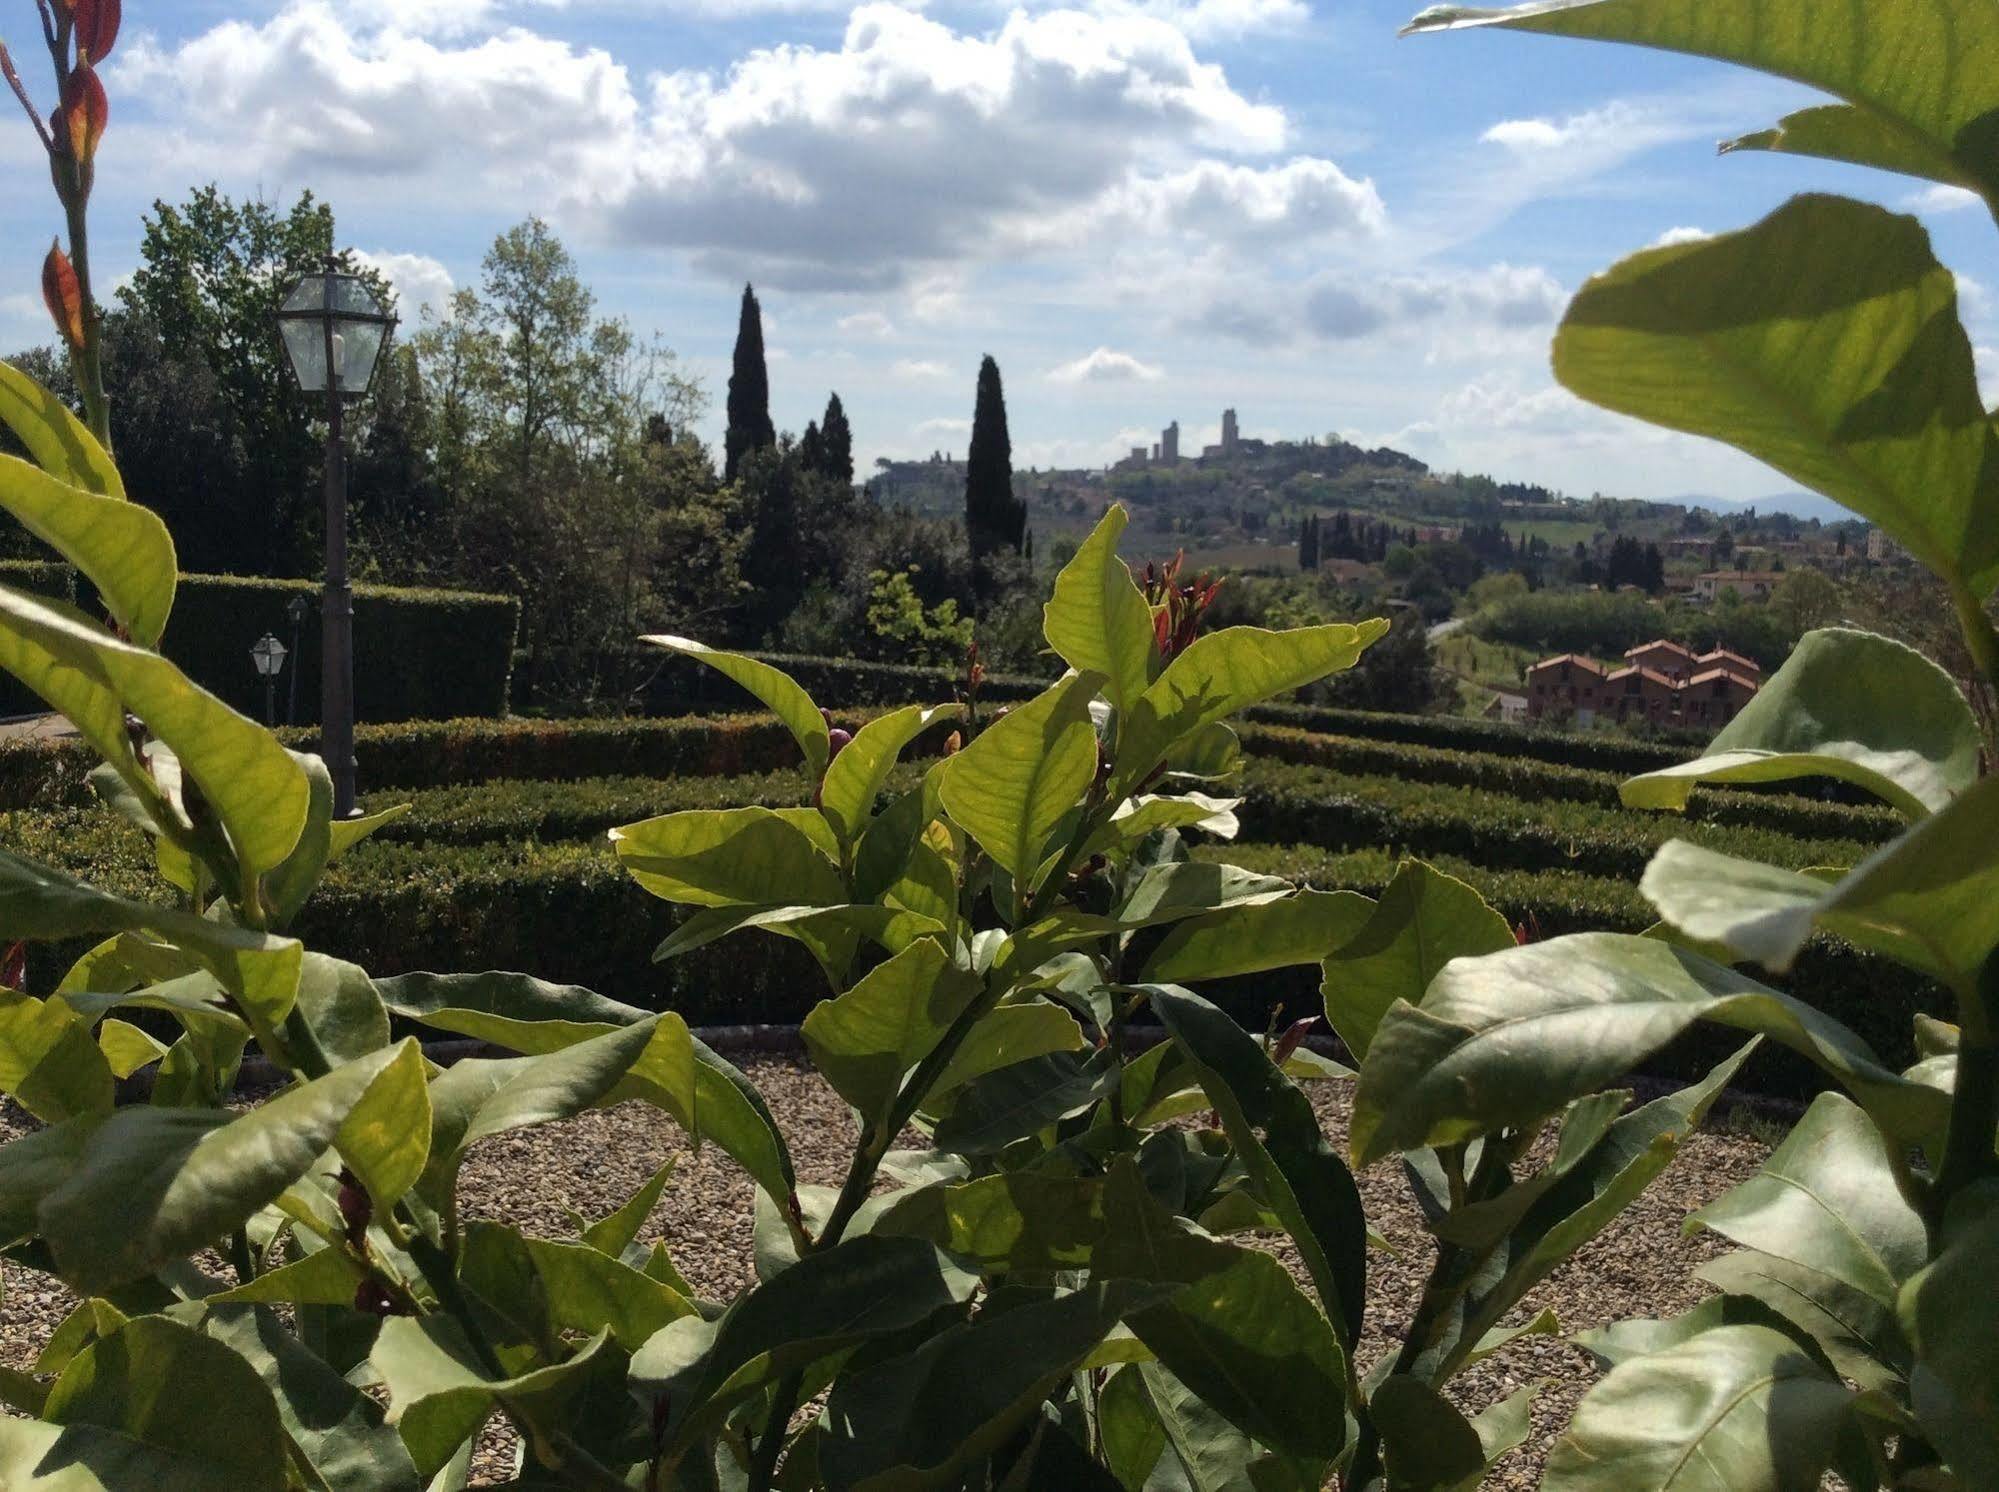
{"x":241,"y":1258}
{"x":1974,"y":1110}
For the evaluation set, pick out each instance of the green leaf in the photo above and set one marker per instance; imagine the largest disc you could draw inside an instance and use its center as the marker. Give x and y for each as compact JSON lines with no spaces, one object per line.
{"x":1276,"y":1135}
{"x":1843,"y":132}
{"x":1022,"y":775}
{"x":1423,"y":920}
{"x":778,"y":691}
{"x":439,"y":1395}
{"x":325,"y":1277}
{"x":126,"y":1048}
{"x":39,"y":902}
{"x":385,"y":1138}
{"x":1189,"y":888}
{"x":340,"y":1003}
{"x":1133,"y":1438}
{"x":532,"y":1016}
{"x":1857,"y":1333}
{"x":1097,"y":620}
{"x":49,"y":1064}
{"x":571,"y":1286}
{"x":1923,"y":74}
{"x":1506,"y":1040}
{"x":1503,"y":1427}
{"x":863,"y":1288}
{"x":1846,"y":704}
{"x":1004,"y":1036}
{"x":1948,"y":1311}
{"x":59,"y":442}
{"x":1826,"y":1198}
{"x":1428,"y":1443}
{"x":118,"y":1196}
{"x":124,"y":548}
{"x":1254,"y":937}
{"x":613,"y":1234}
{"x":867,"y":1039}
{"x":722,"y":857}
{"x":1735,"y":1409}
{"x":1824,"y":341}
{"x":1136,"y":818}
{"x":1237,"y":1331}
{"x":914,"y":1421}
{"x":338,"y":1430}
{"x":250,"y":783}
{"x":861,"y":769}
{"x":1929,"y":900}
{"x":323,"y":840}
{"x":1222,"y":674}
{"x":118,"y":1418}
{"x":993,"y":1111}
{"x":1012,"y":1221}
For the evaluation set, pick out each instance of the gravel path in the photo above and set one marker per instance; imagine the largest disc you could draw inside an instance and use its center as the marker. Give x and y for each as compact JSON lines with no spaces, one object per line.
{"x":1641,"y":1265}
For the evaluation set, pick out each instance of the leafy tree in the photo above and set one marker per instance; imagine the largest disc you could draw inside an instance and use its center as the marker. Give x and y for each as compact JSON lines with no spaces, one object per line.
{"x":837,"y":459}
{"x":995,"y":519}
{"x":750,"y":428}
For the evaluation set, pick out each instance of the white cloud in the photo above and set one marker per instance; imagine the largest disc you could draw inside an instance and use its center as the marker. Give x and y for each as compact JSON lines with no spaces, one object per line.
{"x":918,"y":369}
{"x":418,"y":280}
{"x":1621,"y":125}
{"x":867,"y":324}
{"x":944,"y":427}
{"x":1228,"y":203}
{"x":1206,"y":19}
{"x":1941,"y":198}
{"x":962,"y":144}
{"x":1674,"y":236}
{"x":1105,"y":366}
{"x":1465,"y":307}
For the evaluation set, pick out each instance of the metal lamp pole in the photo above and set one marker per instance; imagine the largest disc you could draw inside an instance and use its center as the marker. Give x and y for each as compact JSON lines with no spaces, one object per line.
{"x":336,"y":608}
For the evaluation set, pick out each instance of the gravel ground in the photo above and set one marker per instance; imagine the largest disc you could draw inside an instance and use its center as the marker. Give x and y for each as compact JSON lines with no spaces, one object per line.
{"x":1641,"y":1265}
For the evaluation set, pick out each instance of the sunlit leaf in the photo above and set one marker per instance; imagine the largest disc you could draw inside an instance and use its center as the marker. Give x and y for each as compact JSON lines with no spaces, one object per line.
{"x":123,"y":548}
{"x":778,"y":691}
{"x":858,"y":773}
{"x":865,"y":1041}
{"x":1021,"y":775}
{"x":1098,"y":620}
{"x":719,"y":857}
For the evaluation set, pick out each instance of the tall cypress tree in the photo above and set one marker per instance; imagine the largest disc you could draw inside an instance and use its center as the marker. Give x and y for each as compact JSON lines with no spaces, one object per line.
{"x":837,"y":442}
{"x":995,"y":519}
{"x":749,"y":391}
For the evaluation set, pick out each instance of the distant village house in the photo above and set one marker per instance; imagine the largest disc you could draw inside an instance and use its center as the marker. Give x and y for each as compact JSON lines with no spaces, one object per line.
{"x":1661,"y":681}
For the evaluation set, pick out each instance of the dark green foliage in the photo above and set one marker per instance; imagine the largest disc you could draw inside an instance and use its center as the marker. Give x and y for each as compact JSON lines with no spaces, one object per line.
{"x":750,"y":427}
{"x":995,"y":520}
{"x":837,"y":437}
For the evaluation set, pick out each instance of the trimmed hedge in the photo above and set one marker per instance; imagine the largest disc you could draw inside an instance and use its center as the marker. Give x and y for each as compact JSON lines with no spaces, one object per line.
{"x":418,"y":654}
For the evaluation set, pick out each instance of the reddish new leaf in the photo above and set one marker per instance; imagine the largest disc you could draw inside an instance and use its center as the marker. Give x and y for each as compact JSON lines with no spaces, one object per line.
{"x":96,"y":29}
{"x":84,"y":113}
{"x":63,"y":295}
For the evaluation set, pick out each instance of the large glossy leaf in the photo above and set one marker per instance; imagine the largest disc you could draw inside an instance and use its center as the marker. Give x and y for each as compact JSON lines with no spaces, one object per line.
{"x":866,"y":1287}
{"x":124,"y":548}
{"x":1001,"y":1037}
{"x":1846,"y":704}
{"x":1222,"y":674}
{"x":613,"y":1233}
{"x":1846,"y":132}
{"x":862,"y":767}
{"x":777,"y":689}
{"x":1827,"y":1199}
{"x":566,"y":1287}
{"x":914,"y":1421}
{"x":1255,"y":937}
{"x":1929,"y":900}
{"x":385,"y":1138}
{"x":338,"y":1430}
{"x":1506,"y":1040}
{"x":323,"y":840}
{"x":722,"y":857}
{"x":1098,"y":620}
{"x":59,"y":442}
{"x":1823,"y":341}
{"x":1012,"y":1221}
{"x":439,"y":1394}
{"x":1277,"y":1137}
{"x":533,"y":1016}
{"x":992,"y":1112}
{"x":120,"y":1195}
{"x":39,"y":902}
{"x":1857,"y":1332}
{"x":49,"y":1063}
{"x":1021,"y":775}
{"x":1137,"y":818}
{"x":1735,"y":1409}
{"x":1426,"y":1441}
{"x":1237,"y":1330}
{"x":118,"y":1418}
{"x":1951,"y":1313}
{"x":1920,"y":76}
{"x":1423,"y":920}
{"x":867,"y":1039}
{"x":250,"y":782}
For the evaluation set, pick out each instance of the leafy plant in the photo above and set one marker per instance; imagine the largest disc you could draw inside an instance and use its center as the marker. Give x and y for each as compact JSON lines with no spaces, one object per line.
{"x":1851,"y":1333}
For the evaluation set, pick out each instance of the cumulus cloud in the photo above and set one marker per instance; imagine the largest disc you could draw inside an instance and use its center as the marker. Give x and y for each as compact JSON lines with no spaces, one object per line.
{"x":1941,"y":198}
{"x":1346,"y":308}
{"x":418,"y":280}
{"x":867,"y":324}
{"x":919,"y":368}
{"x":963,"y":144}
{"x":1105,"y":366}
{"x":1673,"y":236}
{"x":1621,"y":125}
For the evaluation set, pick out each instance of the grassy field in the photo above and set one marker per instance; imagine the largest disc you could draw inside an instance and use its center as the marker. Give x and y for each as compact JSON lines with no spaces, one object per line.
{"x":1489,"y":665}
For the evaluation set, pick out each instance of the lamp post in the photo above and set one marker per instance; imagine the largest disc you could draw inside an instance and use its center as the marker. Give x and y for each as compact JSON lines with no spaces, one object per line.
{"x":334,"y":330}
{"x":268,"y":654}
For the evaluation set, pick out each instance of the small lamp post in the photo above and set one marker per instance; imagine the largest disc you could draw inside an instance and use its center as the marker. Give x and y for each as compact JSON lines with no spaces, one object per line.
{"x":269,"y":656}
{"x":334,"y":331}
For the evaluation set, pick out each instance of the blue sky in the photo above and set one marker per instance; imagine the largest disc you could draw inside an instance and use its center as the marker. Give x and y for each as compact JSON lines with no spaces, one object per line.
{"x":1145,"y":211}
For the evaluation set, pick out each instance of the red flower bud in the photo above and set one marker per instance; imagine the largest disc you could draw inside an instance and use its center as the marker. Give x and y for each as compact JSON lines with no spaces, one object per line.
{"x":1293,"y":1038}
{"x":1528,"y":931}
{"x":96,"y":29}
{"x":370,"y":1297}
{"x":84,"y":113}
{"x":14,"y":967}
{"x":357,"y":1208}
{"x":837,"y":739}
{"x":63,"y":295}
{"x":954,"y":743}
